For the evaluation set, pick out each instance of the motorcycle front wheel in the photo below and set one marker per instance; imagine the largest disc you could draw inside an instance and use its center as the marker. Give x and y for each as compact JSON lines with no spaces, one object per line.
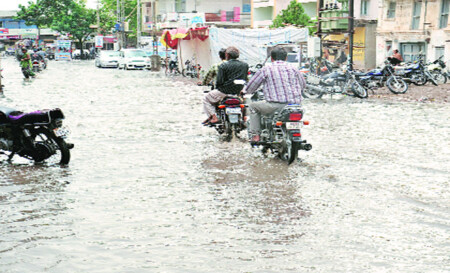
{"x":439,"y":77}
{"x":50,"y":148}
{"x":311,"y":93}
{"x":359,"y":90}
{"x":397,"y":85}
{"x":289,"y":149}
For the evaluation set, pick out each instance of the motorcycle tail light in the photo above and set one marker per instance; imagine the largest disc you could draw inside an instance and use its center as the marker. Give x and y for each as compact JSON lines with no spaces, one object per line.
{"x":279,"y":123}
{"x":305,"y":122}
{"x":233,"y":101}
{"x":297,"y":135}
{"x":221,"y":106}
{"x":242,"y":105}
{"x":295,"y":116}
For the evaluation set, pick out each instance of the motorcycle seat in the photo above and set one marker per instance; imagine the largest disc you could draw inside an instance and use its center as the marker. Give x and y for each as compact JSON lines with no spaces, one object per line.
{"x":32,"y":117}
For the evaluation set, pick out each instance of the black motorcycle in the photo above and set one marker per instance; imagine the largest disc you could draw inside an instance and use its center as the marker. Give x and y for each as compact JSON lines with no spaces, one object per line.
{"x":334,"y":83}
{"x":281,"y":132}
{"x":37,"y":136}
{"x":377,"y":78}
{"x":191,"y":69}
{"x":230,"y":111}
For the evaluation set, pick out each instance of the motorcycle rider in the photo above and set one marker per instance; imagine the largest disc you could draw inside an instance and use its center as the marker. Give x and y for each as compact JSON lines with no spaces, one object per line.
{"x":231,"y":70}
{"x":212,"y":73}
{"x":173,"y":61}
{"x":25,"y":63}
{"x":283,"y":85}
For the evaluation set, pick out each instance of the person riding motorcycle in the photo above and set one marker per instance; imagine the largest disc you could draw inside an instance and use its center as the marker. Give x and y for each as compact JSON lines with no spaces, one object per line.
{"x":173,"y":61}
{"x":211,"y":75}
{"x":25,"y":64}
{"x":227,"y":73}
{"x":283,"y":85}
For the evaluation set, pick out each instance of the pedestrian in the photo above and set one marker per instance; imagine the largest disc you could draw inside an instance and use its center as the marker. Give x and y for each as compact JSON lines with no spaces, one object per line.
{"x":227,"y":73}
{"x":283,"y":85}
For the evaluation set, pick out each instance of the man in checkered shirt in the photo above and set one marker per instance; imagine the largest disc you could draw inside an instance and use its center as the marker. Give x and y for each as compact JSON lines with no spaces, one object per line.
{"x":283,"y":85}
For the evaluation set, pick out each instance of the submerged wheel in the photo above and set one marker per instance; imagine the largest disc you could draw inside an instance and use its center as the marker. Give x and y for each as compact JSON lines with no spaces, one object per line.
{"x":359,"y":90}
{"x":397,"y":85}
{"x":228,"y":131}
{"x":289,"y":150}
{"x":50,"y":148}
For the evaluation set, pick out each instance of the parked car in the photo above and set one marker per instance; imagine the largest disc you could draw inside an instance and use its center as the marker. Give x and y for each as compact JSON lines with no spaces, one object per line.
{"x":107,"y":58}
{"x":134,"y":59}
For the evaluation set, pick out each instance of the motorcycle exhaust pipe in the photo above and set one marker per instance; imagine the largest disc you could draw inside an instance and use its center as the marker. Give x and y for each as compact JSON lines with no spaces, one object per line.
{"x":305,"y":146}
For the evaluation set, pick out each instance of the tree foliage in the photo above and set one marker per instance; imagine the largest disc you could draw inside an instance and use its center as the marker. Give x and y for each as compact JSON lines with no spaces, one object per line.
{"x":109,"y":12}
{"x":65,"y":16}
{"x":293,"y":15}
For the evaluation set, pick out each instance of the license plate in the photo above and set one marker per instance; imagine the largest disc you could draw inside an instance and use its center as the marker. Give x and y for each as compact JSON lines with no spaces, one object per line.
{"x":233,"y":110}
{"x":293,"y":125}
{"x":62,"y":132}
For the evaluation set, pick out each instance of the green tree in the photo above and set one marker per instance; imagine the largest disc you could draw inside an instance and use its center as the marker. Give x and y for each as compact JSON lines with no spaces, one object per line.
{"x":109,"y":17}
{"x":293,"y":15}
{"x":66,"y":16}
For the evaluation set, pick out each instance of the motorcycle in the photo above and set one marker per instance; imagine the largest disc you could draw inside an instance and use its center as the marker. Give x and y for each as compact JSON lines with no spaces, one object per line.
{"x":231,"y":112}
{"x":36,"y":62}
{"x":191,"y":69}
{"x":37,"y":135}
{"x":171,"y":71}
{"x":281,"y":132}
{"x":377,"y":78}
{"x":416,"y":73}
{"x":334,"y":83}
{"x":437,"y":70}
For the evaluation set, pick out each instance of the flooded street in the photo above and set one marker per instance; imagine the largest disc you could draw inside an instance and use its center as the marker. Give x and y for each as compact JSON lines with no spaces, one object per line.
{"x":148,"y":189}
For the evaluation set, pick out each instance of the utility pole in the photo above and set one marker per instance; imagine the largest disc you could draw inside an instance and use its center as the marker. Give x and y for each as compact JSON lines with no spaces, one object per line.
{"x":120,"y":25}
{"x":139,"y":24}
{"x":351,"y":26}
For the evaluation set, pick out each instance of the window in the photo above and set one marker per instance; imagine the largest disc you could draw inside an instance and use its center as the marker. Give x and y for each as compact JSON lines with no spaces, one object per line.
{"x":1,"y":24}
{"x":411,"y":51}
{"x":180,"y":5}
{"x":439,"y":52}
{"x":417,"y":8}
{"x":364,"y":7}
{"x":391,"y":9}
{"x":444,"y":14}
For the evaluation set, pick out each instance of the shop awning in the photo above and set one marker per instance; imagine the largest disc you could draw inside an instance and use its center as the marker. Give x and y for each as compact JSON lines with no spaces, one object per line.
{"x":170,"y":37}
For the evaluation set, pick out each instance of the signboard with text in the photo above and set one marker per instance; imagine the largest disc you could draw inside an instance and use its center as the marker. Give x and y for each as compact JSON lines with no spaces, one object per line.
{"x":63,"y":48}
{"x":99,"y":41}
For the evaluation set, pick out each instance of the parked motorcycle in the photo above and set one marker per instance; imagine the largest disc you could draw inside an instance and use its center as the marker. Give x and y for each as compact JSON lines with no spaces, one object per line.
{"x":377,"y":78}
{"x":416,"y":73}
{"x":334,"y":83}
{"x":37,"y":136}
{"x":191,"y":69}
{"x":437,"y":70}
{"x":281,"y":133}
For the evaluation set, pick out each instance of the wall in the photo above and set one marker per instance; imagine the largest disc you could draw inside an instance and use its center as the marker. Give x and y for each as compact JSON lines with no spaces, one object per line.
{"x":261,"y":14}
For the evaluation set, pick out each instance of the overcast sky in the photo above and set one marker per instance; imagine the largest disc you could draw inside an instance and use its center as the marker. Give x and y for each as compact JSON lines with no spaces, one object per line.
{"x":14,"y":4}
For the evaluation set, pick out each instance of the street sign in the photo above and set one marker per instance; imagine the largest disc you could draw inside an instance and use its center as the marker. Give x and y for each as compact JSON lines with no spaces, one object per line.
{"x":99,"y":41}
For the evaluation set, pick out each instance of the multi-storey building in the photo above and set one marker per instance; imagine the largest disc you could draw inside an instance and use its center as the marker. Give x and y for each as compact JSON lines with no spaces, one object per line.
{"x":186,"y":13}
{"x":413,"y":27}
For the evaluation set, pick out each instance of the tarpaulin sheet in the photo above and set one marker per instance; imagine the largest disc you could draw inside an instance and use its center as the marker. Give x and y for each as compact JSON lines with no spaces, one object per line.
{"x":252,"y":43}
{"x":171,"y":38}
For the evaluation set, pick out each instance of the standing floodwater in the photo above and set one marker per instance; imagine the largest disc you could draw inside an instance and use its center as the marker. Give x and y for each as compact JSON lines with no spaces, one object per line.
{"x":148,"y":189}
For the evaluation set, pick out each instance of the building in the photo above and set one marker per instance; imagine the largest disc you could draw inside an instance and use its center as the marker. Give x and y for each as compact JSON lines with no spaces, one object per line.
{"x":188,"y":13}
{"x":413,"y":27}
{"x":365,"y":26}
{"x":12,"y":30}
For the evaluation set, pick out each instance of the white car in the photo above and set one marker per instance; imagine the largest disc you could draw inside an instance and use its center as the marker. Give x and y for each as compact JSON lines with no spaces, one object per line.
{"x":107,"y":59}
{"x":134,"y":59}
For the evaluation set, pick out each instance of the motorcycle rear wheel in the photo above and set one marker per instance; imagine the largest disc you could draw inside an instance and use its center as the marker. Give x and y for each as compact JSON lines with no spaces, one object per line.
{"x":45,"y":138}
{"x":397,"y":85}
{"x":289,"y":150}
{"x":422,"y":80}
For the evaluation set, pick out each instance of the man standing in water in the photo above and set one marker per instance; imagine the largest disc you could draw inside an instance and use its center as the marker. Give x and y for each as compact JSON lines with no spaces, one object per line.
{"x":25,"y":64}
{"x":231,"y":70}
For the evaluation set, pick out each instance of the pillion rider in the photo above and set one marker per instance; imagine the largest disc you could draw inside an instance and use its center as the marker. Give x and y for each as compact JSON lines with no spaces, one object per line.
{"x":227,"y":73}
